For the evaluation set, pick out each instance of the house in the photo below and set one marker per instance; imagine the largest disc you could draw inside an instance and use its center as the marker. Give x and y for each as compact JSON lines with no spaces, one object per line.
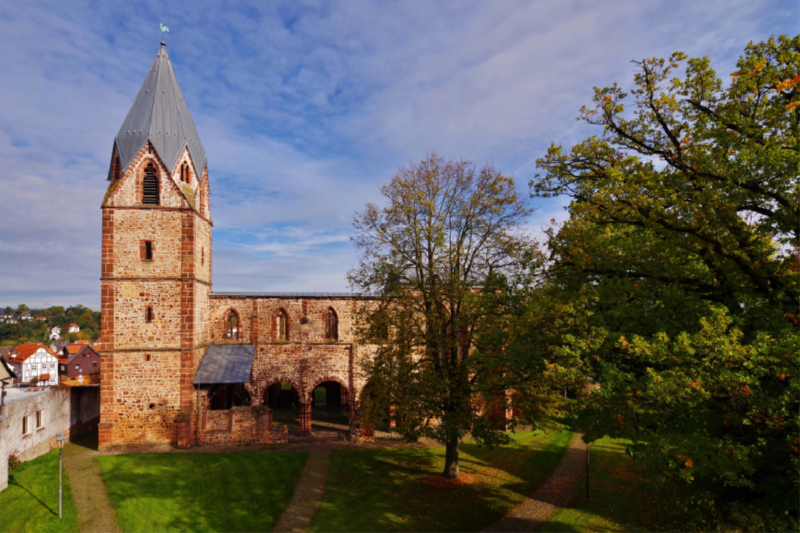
{"x":80,"y":365}
{"x":25,"y":315}
{"x":34,"y":361}
{"x":55,"y":333}
{"x":73,"y":328}
{"x":41,"y":318}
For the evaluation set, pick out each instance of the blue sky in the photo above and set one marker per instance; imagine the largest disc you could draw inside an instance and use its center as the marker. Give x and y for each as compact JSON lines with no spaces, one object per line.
{"x":305,"y":108}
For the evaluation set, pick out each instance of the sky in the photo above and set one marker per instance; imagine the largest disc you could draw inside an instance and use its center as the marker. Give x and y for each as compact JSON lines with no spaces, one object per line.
{"x":306,"y":108}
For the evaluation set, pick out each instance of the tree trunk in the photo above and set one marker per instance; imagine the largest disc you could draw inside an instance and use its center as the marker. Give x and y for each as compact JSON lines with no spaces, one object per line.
{"x":451,"y":459}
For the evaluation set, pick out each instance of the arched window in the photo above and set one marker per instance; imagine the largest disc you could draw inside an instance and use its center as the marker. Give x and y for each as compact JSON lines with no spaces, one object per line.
{"x":331,"y":325}
{"x":150,"y":185}
{"x":282,"y":325}
{"x":232,"y":326}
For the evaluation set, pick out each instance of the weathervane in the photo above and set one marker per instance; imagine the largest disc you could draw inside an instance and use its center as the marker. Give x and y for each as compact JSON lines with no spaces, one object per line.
{"x":164,"y":29}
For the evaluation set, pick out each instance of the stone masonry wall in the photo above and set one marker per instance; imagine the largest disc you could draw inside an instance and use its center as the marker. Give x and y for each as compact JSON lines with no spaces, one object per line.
{"x":238,"y":425}
{"x":146,"y":398}
{"x":131,"y":329}
{"x":126,"y":191}
{"x":132,"y":228}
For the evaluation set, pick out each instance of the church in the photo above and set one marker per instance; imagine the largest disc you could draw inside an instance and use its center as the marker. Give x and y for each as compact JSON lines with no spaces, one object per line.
{"x":183,"y":364}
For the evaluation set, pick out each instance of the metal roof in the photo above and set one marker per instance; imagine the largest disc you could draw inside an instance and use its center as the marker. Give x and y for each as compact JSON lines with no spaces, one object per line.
{"x":226,"y":363}
{"x":293,"y":294}
{"x":159,"y":115}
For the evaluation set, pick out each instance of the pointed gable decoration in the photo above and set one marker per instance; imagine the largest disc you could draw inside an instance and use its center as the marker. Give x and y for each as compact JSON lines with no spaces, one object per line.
{"x":159,"y":115}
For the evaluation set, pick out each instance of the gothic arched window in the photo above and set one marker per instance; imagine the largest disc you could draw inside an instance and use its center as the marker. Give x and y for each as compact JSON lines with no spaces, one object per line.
{"x":331,"y":325}
{"x":150,"y":185}
{"x":232,"y":326}
{"x":282,"y":323}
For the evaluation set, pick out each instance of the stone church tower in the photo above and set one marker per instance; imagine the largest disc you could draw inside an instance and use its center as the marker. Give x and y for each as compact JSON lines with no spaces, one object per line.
{"x":156,"y":266}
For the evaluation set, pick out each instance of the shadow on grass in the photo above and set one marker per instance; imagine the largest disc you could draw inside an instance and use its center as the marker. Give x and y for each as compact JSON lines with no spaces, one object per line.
{"x":238,"y":491}
{"x":12,"y":481}
{"x":399,"y":489}
{"x":30,"y":502}
{"x":621,"y":499}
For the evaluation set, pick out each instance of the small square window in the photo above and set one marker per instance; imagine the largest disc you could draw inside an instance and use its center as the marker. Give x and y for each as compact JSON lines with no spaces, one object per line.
{"x":147,"y":357}
{"x":149,"y":315}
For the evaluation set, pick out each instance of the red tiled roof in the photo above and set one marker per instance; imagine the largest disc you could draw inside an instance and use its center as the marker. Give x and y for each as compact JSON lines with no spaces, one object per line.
{"x":23,"y":351}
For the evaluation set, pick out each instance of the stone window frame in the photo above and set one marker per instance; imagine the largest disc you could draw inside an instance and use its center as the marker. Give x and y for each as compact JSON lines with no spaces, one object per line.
{"x":276,"y":326}
{"x":331,"y":321}
{"x":39,"y":419}
{"x":143,"y":250}
{"x":229,"y":334}
{"x":149,"y":315}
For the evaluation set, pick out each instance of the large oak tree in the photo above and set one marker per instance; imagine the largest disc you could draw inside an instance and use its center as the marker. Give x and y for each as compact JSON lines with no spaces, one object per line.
{"x":679,"y":262}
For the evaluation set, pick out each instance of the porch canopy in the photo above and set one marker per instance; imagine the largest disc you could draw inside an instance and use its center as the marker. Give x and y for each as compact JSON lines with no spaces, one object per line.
{"x":226,"y":363}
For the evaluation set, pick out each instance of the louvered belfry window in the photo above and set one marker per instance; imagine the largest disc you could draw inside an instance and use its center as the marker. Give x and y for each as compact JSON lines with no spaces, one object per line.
{"x":150,"y":186}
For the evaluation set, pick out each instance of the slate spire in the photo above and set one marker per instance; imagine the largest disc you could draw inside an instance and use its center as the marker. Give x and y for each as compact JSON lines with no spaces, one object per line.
{"x":159,"y":115}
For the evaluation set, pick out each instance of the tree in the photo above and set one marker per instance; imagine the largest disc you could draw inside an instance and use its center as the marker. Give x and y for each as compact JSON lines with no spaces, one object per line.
{"x":443,"y":256}
{"x":23,"y":308}
{"x":680,"y":262}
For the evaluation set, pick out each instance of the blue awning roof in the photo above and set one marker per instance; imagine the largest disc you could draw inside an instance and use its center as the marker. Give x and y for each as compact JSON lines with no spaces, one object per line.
{"x":226,"y":363}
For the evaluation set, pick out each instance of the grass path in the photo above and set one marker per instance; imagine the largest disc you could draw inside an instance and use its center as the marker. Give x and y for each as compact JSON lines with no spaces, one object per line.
{"x":307,"y":494}
{"x":95,"y":513}
{"x":560,"y":490}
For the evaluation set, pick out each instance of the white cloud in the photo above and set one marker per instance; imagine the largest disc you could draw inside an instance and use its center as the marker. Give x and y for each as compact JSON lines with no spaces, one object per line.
{"x":304,"y":109}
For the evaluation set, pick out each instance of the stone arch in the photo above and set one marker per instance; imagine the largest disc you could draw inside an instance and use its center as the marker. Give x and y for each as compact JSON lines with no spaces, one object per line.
{"x":277,"y":381}
{"x":320,"y":381}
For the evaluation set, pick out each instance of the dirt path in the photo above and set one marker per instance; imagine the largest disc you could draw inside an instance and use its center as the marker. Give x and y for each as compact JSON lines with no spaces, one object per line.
{"x":95,"y":513}
{"x":308,"y":492}
{"x":561,"y":489}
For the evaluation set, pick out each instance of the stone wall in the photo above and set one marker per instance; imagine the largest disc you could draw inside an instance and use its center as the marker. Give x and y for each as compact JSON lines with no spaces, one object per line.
{"x":238,"y":425}
{"x":145,"y":400}
{"x":68,"y":410}
{"x":131,"y":328}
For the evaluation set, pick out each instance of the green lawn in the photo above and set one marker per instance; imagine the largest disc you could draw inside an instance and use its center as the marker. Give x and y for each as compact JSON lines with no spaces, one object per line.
{"x":241,"y":491}
{"x":621,"y":499}
{"x":30,"y":503}
{"x":390,"y":490}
